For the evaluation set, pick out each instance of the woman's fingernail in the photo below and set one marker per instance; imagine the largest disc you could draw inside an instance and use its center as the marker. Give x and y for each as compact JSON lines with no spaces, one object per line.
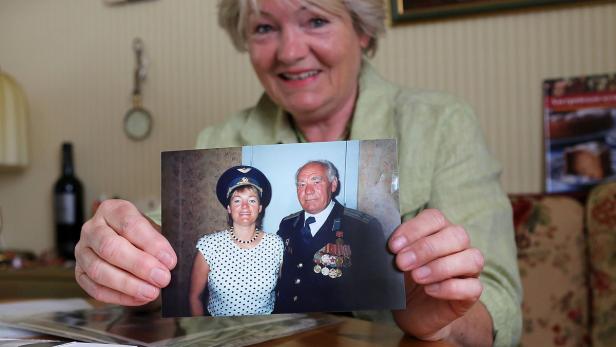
{"x":159,"y":276}
{"x":422,"y":272}
{"x":433,"y":288}
{"x":166,"y":259}
{"x":398,"y":243}
{"x":407,"y":259}
{"x":147,"y":292}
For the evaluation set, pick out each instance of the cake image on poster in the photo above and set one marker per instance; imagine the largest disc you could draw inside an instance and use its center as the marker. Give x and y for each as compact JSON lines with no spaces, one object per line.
{"x":579,"y":132}
{"x":591,"y":160}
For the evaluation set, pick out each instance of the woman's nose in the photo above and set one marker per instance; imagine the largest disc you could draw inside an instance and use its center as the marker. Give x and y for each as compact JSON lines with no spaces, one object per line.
{"x":293,"y":46}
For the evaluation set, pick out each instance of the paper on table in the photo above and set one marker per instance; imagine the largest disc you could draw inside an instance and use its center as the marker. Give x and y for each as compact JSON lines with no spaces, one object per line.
{"x":51,"y":343}
{"x":30,"y":307}
{"x":86,"y":344}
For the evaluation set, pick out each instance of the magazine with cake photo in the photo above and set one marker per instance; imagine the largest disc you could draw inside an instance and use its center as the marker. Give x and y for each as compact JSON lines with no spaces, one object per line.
{"x":579,"y":132}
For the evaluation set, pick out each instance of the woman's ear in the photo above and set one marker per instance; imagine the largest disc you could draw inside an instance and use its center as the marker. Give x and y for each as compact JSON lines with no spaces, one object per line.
{"x":364,"y":40}
{"x":229,"y":209}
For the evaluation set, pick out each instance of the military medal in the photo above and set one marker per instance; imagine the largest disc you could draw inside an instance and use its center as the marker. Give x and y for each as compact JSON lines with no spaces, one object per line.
{"x":333,"y":257}
{"x":325,"y":259}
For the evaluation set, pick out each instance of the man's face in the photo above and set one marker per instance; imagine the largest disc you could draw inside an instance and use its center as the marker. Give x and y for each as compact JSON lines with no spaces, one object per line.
{"x":314,"y":190}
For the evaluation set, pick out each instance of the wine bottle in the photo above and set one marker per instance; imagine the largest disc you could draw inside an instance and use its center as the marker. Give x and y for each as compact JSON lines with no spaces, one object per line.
{"x":68,"y":206}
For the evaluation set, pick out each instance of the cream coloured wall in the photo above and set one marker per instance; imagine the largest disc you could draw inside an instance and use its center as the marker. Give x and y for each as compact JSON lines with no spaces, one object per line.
{"x":74,"y":60}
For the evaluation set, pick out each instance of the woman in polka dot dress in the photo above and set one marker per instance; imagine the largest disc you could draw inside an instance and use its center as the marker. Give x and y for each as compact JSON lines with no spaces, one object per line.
{"x":239,"y":265}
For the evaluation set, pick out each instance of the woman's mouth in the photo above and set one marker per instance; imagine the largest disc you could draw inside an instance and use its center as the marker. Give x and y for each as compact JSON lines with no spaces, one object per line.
{"x":298,"y":76}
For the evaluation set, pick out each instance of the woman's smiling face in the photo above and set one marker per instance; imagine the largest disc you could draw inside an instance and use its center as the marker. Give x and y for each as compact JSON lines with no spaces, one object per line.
{"x":244,"y":206}
{"x":307,"y":59}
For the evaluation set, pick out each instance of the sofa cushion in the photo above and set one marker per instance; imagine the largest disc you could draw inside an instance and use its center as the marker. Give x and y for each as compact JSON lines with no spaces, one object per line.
{"x":601,"y":222}
{"x":551,"y":253}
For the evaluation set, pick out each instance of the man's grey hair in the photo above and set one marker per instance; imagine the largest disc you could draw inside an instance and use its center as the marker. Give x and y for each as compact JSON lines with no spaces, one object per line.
{"x":332,"y":171}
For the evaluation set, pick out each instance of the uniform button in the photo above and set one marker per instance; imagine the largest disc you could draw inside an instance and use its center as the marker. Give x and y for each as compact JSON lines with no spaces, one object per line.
{"x":300,"y":265}
{"x":295,"y":298}
{"x":297,"y":281}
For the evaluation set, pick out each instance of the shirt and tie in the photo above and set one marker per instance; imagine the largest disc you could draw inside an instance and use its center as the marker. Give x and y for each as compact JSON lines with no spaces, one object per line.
{"x":317,"y":220}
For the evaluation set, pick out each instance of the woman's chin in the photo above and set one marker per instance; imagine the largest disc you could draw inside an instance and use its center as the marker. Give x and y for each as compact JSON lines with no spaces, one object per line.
{"x":244,"y":223}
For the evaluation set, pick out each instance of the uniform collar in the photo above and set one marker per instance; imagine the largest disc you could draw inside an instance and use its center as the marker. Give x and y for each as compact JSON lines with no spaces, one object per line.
{"x":267,"y":123}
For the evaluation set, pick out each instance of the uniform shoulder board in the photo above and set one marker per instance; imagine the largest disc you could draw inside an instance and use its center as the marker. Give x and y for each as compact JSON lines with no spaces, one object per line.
{"x":364,"y":217}
{"x":291,"y":216}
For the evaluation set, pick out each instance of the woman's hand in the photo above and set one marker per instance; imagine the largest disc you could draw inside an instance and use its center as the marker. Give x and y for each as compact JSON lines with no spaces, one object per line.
{"x":441,"y":272}
{"x":121,"y":257}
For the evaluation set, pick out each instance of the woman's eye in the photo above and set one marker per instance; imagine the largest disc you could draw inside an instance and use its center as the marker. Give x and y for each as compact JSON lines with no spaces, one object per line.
{"x":318,"y":22}
{"x":263,"y":29}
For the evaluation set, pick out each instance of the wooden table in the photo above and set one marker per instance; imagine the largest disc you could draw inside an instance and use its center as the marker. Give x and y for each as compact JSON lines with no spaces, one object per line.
{"x":352,"y":332}
{"x":39,"y":283}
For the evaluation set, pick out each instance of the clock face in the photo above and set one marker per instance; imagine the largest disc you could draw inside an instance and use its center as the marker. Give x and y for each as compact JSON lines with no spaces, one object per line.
{"x":137,"y":123}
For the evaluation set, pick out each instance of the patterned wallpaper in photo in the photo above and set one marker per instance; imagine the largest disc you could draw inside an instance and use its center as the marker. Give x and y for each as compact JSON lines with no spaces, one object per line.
{"x":190,"y":210}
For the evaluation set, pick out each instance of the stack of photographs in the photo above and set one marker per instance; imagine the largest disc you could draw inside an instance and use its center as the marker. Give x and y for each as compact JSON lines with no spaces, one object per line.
{"x":118,"y":325}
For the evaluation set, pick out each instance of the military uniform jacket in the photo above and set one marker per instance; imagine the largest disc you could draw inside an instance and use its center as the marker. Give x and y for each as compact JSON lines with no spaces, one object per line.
{"x":370,"y":282}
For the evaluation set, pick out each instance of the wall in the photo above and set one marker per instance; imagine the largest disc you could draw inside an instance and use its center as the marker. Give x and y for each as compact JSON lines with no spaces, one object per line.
{"x":75,"y":62}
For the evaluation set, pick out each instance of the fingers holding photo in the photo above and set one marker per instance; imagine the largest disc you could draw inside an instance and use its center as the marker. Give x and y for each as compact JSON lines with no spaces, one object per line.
{"x":465,"y":264}
{"x":97,"y":289}
{"x":126,"y":220}
{"x":426,"y":223}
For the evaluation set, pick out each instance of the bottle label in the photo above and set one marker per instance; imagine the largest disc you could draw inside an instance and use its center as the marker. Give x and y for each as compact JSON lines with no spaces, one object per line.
{"x":66,"y":208}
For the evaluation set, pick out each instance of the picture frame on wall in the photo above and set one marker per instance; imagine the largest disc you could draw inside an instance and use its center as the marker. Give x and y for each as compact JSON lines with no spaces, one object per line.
{"x":404,"y":11}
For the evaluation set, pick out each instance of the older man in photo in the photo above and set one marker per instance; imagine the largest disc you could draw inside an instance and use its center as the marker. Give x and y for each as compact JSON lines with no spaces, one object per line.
{"x":335,"y":258}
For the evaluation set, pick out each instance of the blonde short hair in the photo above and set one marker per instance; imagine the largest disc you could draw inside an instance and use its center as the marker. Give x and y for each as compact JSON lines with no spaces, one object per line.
{"x":368,"y":18}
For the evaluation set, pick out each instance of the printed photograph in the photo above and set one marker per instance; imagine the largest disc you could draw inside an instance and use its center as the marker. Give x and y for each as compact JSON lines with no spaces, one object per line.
{"x":286,"y":228}
{"x":580,"y":132}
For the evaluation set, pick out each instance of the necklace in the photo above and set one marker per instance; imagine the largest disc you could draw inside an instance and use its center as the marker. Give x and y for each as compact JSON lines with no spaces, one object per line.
{"x":245,"y":242}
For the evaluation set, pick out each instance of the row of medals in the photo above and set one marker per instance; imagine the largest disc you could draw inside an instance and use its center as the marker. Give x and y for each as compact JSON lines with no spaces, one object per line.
{"x":328,"y":260}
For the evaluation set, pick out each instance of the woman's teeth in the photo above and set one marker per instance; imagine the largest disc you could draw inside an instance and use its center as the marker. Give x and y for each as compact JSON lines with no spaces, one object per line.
{"x":300,"y":76}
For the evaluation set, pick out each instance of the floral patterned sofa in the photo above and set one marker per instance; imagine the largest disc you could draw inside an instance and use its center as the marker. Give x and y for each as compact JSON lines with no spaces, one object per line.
{"x":567,"y":260}
{"x":601,"y":223}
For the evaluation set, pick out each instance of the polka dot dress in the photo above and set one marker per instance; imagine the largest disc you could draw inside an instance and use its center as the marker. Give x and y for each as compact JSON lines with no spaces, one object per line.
{"x":241,"y":281}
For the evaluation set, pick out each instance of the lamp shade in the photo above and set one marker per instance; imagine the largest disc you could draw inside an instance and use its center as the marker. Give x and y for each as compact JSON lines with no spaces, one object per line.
{"x":13,"y":124}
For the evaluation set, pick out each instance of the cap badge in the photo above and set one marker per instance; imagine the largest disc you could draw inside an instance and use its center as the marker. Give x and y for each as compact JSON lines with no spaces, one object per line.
{"x":244,"y":169}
